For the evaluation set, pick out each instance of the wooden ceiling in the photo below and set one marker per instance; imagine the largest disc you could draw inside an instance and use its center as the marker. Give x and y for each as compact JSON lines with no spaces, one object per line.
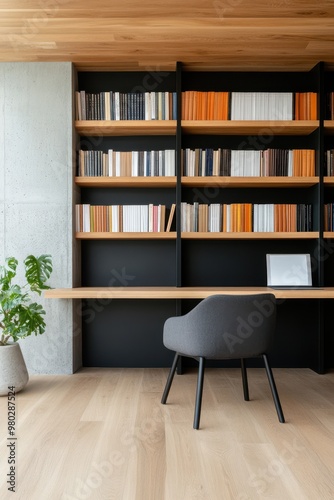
{"x":154,"y":34}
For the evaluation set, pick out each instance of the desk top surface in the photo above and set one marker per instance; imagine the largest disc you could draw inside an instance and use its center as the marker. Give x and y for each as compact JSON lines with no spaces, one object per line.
{"x":170,"y":292}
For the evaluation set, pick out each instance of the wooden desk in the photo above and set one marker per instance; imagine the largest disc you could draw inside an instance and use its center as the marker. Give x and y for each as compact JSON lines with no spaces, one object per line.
{"x":179,"y":293}
{"x":171,"y":292}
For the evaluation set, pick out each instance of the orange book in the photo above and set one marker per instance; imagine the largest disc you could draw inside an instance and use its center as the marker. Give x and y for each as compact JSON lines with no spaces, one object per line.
{"x":199,"y":105}
{"x":238,"y":221}
{"x":303,"y":163}
{"x":312,"y":162}
{"x":283,"y":218}
{"x":248,"y":218}
{"x":296,"y":162}
{"x":304,"y":105}
{"x":221,"y":105}
{"x":233,"y":217}
{"x":211,"y":104}
{"x":216,"y":104}
{"x":294,"y":217}
{"x":224,"y":218}
{"x":314,"y":99}
{"x":225,"y":106}
{"x":191,"y":96}
{"x":204,"y":110}
{"x":193,"y":110}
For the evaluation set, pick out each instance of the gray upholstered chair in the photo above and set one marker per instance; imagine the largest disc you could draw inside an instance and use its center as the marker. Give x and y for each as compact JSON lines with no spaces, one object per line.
{"x":224,"y":327}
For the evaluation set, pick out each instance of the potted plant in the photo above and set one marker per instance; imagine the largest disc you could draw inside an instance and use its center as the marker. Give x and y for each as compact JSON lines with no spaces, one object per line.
{"x":20,"y":316}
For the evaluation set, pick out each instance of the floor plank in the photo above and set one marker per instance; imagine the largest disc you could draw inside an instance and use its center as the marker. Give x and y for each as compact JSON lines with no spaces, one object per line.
{"x":102,"y":434}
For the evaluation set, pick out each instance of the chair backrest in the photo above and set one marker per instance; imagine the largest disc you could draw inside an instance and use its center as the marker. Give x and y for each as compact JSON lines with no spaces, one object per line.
{"x":225,"y":327}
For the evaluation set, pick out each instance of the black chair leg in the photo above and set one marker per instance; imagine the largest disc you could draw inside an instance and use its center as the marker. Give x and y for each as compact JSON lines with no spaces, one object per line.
{"x":199,"y":392}
{"x":170,"y":379}
{"x":244,"y":379}
{"x":273,"y":389}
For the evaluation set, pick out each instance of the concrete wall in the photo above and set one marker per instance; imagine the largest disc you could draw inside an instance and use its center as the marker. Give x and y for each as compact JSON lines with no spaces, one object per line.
{"x":36,"y":151}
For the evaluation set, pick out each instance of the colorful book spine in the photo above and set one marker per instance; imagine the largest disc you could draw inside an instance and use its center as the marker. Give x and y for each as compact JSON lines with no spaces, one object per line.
{"x":246,"y":217}
{"x":246,"y":163}
{"x":123,"y":218}
{"x":126,"y":106}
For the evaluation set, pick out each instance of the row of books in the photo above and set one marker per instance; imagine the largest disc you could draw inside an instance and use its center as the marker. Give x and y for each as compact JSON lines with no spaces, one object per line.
{"x":126,"y":163}
{"x":122,"y":218}
{"x":226,"y":162}
{"x":197,"y":105}
{"x":329,"y":162}
{"x":126,"y":105}
{"x":245,"y":217}
{"x":205,"y":105}
{"x":329,"y":217}
{"x":262,"y":106}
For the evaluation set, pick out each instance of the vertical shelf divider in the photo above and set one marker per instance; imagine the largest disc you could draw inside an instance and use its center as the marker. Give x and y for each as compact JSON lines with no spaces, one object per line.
{"x":178,"y":176}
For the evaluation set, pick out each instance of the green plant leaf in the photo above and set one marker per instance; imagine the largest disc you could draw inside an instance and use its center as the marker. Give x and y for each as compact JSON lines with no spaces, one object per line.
{"x":8,"y":272}
{"x":38,"y":271}
{"x":31,"y":320}
{"x":19,"y":315}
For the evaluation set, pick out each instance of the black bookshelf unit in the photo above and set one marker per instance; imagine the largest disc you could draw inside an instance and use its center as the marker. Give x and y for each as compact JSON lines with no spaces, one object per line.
{"x":129,"y":332}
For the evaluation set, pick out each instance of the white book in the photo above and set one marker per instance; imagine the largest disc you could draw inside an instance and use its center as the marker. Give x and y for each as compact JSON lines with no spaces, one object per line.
{"x":117,"y":106}
{"x":236,"y":163}
{"x":118,"y":163}
{"x":107,"y":106}
{"x":161,"y":161}
{"x":153,"y":106}
{"x":114,"y":218}
{"x":150,"y":217}
{"x":135,"y":163}
{"x":255,"y":217}
{"x":110,"y":163}
{"x":143,"y":219}
{"x":166,"y":105}
{"x":228,"y":218}
{"x":184,"y":216}
{"x":148,"y":106}
{"x":271,"y":225}
{"x":86,"y":218}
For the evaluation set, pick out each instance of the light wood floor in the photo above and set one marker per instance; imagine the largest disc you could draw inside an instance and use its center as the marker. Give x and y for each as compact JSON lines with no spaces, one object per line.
{"x":102,"y":434}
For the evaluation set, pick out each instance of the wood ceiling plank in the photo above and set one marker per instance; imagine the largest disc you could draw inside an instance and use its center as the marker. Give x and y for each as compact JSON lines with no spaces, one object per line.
{"x":210,"y":34}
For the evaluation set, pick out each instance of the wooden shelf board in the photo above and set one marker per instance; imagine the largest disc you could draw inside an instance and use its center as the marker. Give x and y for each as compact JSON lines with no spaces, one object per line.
{"x":329,"y":126}
{"x":131,"y":182}
{"x":126,"y":236}
{"x":250,"y":236}
{"x":125,"y":127}
{"x":240,"y":127}
{"x":329,"y":181}
{"x":329,"y":234}
{"x":231,"y":182}
{"x":178,"y":292}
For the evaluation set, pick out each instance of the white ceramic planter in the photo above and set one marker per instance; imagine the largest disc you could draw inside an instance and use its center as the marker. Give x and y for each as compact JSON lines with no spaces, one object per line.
{"x":13,"y":370}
